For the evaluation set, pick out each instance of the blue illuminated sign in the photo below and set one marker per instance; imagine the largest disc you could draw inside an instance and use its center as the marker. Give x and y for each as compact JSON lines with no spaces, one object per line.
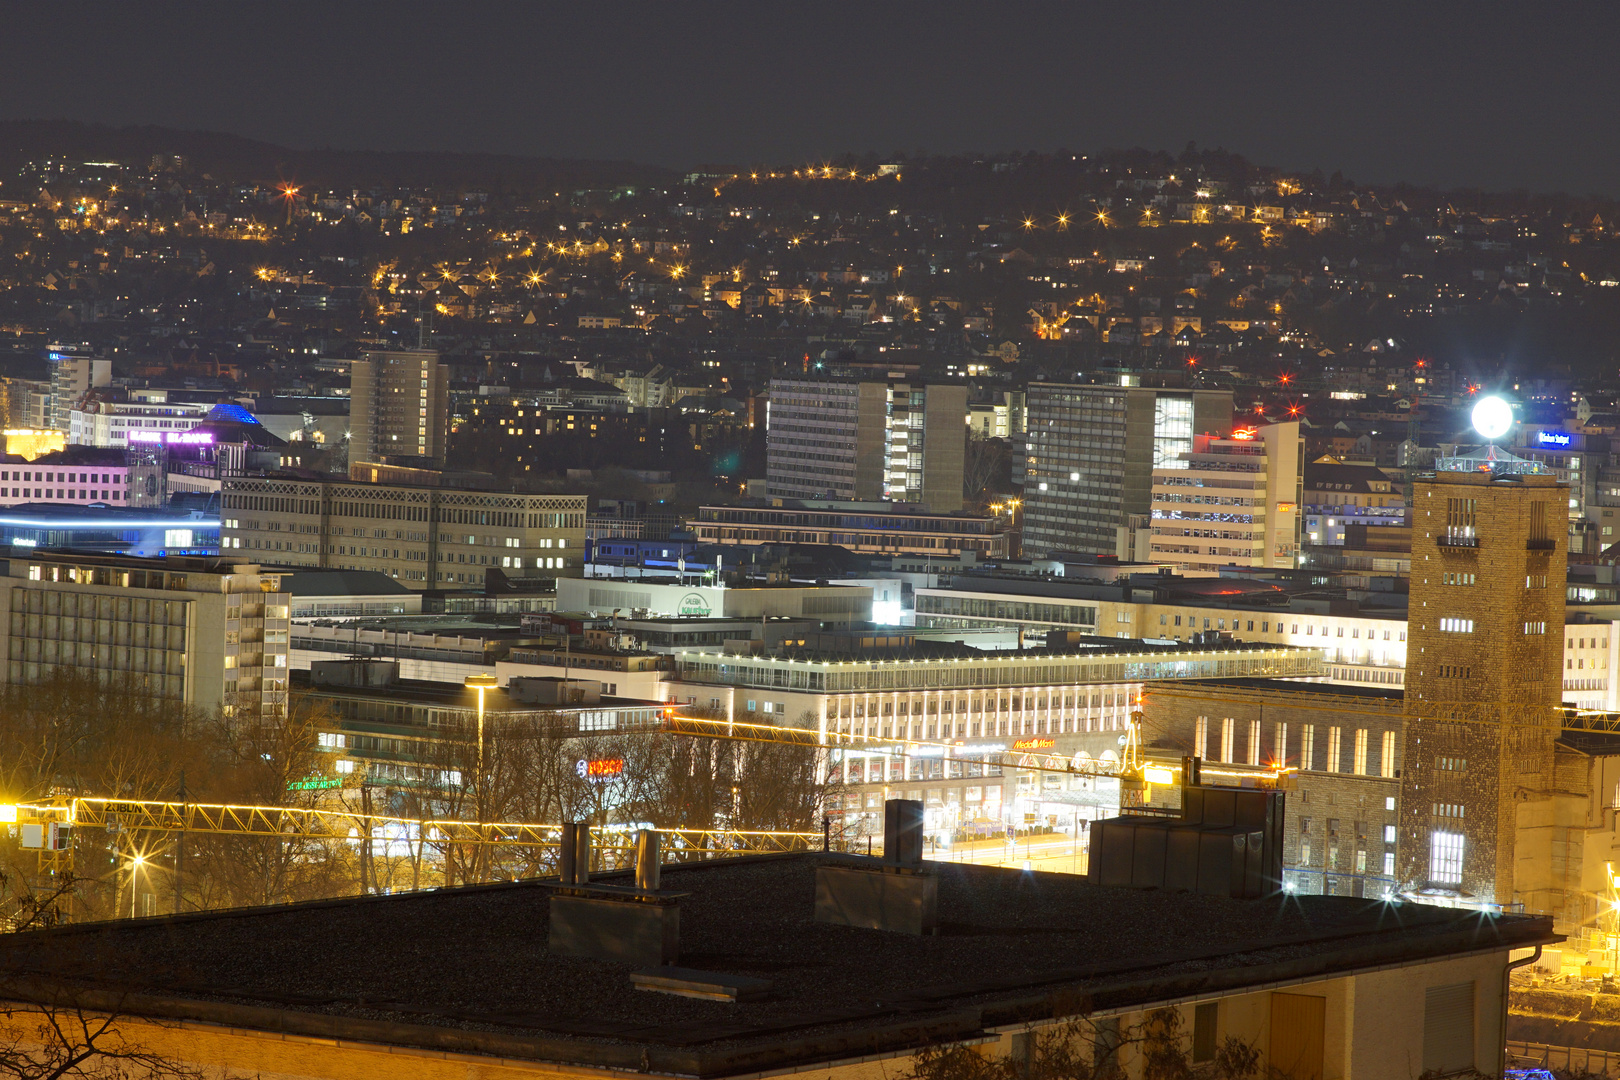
{"x":1552,"y":438}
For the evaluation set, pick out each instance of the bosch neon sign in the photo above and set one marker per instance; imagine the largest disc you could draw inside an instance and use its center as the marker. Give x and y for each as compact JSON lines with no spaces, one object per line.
{"x":1552,"y":438}
{"x":599,"y":768}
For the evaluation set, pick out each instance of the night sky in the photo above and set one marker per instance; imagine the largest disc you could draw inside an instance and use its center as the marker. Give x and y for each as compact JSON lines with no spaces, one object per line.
{"x":1481,"y":94}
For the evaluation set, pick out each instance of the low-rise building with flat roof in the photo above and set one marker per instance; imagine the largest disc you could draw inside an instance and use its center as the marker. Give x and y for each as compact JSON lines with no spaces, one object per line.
{"x":428,"y":648}
{"x":348,"y":594}
{"x":827,"y":603}
{"x":889,"y":702}
{"x":866,"y":527}
{"x":378,"y":726}
{"x":205,"y":632}
{"x":425,"y":537}
{"x":1029,"y":966}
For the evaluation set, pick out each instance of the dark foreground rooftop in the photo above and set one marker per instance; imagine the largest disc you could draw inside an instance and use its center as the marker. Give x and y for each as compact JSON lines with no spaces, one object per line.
{"x":468,"y":970}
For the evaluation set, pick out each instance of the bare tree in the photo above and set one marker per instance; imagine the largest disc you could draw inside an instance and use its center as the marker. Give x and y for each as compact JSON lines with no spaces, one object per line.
{"x":692,"y":782}
{"x":266,"y":760}
{"x":67,"y":1039}
{"x":985,"y":472}
{"x":778,"y":786}
{"x":59,"y":1036}
{"x":74,"y":734}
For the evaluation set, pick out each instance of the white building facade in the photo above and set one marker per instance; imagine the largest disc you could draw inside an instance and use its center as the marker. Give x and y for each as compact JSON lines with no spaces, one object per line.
{"x":122,"y":424}
{"x":1230,"y":501}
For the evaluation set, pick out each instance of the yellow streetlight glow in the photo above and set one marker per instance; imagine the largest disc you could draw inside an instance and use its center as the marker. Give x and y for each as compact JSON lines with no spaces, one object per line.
{"x":481,"y":683}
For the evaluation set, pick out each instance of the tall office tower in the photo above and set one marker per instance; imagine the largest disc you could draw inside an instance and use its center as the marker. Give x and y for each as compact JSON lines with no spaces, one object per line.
{"x":399,"y":406}
{"x":1484,"y":676}
{"x":867,"y":441}
{"x":1091,"y":455}
{"x":1230,"y":501}
{"x":810,"y":439}
{"x":73,"y":374}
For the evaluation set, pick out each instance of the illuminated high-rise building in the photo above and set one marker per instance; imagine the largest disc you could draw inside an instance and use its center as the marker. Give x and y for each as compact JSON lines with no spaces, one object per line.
{"x":1091,"y":455}
{"x":1230,"y":501}
{"x":74,"y":373}
{"x":399,"y":406}
{"x":866,"y":441}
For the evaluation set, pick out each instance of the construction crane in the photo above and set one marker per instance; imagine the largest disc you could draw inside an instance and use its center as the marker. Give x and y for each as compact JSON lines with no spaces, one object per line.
{"x":297,"y":823}
{"x":53,"y":828}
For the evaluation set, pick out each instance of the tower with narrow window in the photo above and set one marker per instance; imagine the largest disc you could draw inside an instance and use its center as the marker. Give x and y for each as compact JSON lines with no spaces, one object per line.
{"x":1484,"y":670}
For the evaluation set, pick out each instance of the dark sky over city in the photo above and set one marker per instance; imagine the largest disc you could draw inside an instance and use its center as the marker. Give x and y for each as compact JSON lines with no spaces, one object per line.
{"x":1491,"y":95}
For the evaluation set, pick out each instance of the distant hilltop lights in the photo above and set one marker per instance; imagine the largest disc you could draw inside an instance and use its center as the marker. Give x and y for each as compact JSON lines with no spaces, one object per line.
{"x":193,"y":438}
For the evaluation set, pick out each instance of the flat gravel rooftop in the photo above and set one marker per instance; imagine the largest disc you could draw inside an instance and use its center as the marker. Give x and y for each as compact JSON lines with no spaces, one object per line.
{"x":468,"y":969}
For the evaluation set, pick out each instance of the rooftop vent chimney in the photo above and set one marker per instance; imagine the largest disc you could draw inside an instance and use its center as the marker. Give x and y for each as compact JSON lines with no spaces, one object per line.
{"x":903,"y":832}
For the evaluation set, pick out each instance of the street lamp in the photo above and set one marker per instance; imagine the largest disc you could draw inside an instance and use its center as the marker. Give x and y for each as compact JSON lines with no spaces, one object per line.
{"x":136,"y":862}
{"x":481,"y":683}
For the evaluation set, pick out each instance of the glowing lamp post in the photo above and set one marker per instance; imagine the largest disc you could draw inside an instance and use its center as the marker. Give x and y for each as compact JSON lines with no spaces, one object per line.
{"x":136,"y":863}
{"x":481,"y":683}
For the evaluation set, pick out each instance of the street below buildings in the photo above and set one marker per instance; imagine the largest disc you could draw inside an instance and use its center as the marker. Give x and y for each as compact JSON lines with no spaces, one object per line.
{"x":1053,"y":852}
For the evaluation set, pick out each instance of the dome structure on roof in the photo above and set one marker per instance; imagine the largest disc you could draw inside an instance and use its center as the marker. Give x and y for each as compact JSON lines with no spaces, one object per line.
{"x":230,"y":412}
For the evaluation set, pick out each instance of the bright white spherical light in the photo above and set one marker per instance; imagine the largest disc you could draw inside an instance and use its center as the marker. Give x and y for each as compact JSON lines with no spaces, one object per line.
{"x":1492,"y":417}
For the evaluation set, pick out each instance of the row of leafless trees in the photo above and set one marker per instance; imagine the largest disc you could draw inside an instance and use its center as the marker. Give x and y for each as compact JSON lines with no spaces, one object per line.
{"x":531,"y":771}
{"x":75,"y":736}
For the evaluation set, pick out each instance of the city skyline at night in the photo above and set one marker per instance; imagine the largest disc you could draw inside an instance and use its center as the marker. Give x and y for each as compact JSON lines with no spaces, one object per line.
{"x":1017,"y":541}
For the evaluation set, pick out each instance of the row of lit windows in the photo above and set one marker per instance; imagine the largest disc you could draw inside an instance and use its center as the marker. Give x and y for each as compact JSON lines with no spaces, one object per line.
{"x":1249,"y":751}
{"x":86,"y":494}
{"x":62,"y":478}
{"x":1265,"y":627}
